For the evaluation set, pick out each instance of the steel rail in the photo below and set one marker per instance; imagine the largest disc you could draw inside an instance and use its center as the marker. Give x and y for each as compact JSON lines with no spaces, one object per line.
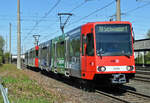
{"x":138,"y":79}
{"x":111,"y":96}
{"x":143,"y":79}
{"x":123,"y":100}
{"x":136,"y":93}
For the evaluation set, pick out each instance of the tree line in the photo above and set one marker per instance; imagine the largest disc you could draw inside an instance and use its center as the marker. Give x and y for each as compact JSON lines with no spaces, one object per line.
{"x":2,"y":43}
{"x":4,"y":56}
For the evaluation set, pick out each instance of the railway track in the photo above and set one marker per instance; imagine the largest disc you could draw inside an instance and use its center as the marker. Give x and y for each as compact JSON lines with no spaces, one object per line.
{"x":144,"y":72}
{"x":125,"y":96}
{"x":142,"y":75}
{"x":142,"y":78}
{"x":111,"y":96}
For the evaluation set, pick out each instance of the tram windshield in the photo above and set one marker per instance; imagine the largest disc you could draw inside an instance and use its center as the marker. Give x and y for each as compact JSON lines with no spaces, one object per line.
{"x":113,"y":40}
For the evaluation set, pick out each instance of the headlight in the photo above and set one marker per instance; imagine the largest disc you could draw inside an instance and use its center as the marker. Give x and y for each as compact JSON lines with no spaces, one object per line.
{"x":101,"y":69}
{"x":130,"y":68}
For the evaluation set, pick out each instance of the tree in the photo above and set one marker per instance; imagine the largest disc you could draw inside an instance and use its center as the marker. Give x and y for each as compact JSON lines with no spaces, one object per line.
{"x":1,"y":48}
{"x":148,"y":33}
{"x":1,"y":57}
{"x":6,"y":57}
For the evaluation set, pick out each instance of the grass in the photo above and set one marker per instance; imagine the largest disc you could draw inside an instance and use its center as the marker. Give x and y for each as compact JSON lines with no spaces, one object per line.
{"x":21,"y":89}
{"x":1,"y":99}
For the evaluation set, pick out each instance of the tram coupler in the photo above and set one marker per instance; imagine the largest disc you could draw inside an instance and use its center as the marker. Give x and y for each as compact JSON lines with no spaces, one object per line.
{"x":118,"y":78}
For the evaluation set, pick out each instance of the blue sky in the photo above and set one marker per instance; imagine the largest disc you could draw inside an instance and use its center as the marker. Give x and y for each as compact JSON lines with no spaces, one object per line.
{"x":33,"y":11}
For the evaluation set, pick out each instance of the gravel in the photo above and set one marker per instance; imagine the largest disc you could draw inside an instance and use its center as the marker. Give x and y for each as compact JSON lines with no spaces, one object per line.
{"x":66,"y":93}
{"x":141,"y":87}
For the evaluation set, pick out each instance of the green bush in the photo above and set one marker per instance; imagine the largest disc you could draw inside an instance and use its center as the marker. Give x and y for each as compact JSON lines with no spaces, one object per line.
{"x":6,"y":57}
{"x":1,"y":59}
{"x":1,"y":56}
{"x":139,"y":60}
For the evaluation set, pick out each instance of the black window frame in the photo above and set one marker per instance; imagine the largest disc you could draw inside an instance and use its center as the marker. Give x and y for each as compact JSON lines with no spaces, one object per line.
{"x":90,"y":44}
{"x":127,"y":31}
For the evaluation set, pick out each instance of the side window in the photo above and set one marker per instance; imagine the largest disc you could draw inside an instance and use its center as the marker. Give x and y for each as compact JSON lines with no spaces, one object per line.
{"x":60,"y":50}
{"x":75,"y":46}
{"x":83,"y":44}
{"x":31,"y":55}
{"x":37,"y":52}
{"x":90,"y":45}
{"x":44,"y":52}
{"x":53,"y":50}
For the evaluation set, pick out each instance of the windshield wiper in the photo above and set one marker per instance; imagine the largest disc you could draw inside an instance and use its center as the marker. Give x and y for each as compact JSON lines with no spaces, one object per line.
{"x":126,"y":55}
{"x":99,"y":54}
{"x":121,"y":54}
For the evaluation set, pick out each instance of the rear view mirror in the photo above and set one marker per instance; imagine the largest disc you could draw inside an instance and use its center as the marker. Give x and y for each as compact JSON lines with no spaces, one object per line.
{"x":84,"y":39}
{"x":133,"y":34}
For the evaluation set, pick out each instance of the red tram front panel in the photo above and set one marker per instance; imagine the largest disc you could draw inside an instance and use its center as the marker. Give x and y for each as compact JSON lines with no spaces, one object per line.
{"x":118,"y":61}
{"x":36,"y":56}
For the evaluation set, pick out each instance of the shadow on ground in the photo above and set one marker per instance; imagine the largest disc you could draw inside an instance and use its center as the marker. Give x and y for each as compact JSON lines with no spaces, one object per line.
{"x":78,"y":83}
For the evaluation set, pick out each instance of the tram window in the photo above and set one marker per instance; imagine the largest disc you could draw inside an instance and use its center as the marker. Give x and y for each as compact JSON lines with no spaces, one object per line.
{"x":37,"y":53}
{"x":53,"y":50}
{"x":75,"y":47}
{"x":90,"y":45}
{"x":44,"y":52}
{"x":62,"y":43}
{"x":60,"y":50}
{"x":34,"y":54}
{"x":31,"y":55}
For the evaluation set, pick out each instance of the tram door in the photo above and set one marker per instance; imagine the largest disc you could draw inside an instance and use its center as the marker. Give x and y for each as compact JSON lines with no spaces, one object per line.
{"x":53,"y":55}
{"x":87,"y":50}
{"x":83,"y":59}
{"x":84,"y":32}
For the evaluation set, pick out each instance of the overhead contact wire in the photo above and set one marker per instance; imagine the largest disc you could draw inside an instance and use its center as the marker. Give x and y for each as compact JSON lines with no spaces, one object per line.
{"x":38,"y":22}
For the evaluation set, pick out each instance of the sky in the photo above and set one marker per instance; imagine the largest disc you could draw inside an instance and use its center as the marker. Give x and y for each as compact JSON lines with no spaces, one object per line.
{"x":40,"y":17}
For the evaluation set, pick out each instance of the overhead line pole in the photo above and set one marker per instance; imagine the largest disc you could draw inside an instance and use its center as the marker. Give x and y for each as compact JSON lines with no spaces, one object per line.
{"x":10,"y":43}
{"x":18,"y":36}
{"x":118,"y":14}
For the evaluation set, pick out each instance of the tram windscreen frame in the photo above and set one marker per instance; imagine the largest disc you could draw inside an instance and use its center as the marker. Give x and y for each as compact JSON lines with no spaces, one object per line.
{"x":113,"y":40}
